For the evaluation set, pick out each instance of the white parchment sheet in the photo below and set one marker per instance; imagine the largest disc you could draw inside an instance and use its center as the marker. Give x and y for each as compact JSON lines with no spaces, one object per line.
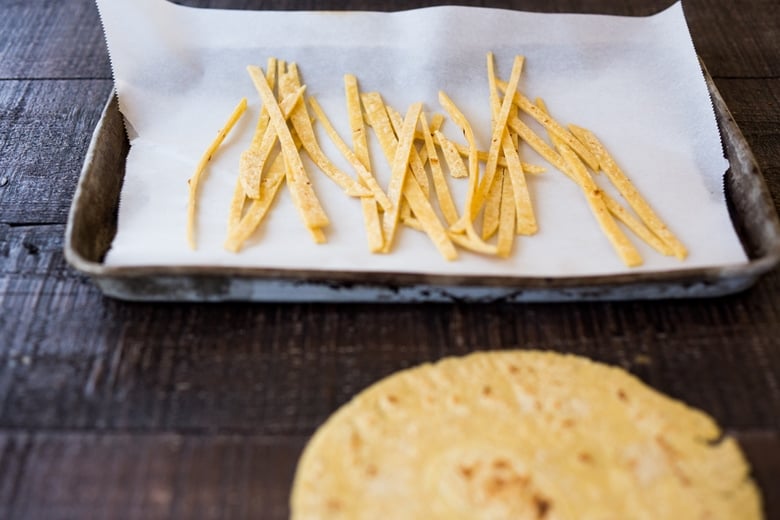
{"x":635,"y":82}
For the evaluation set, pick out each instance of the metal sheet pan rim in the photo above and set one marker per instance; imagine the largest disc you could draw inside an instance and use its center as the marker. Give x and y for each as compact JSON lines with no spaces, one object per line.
{"x":709,"y":281}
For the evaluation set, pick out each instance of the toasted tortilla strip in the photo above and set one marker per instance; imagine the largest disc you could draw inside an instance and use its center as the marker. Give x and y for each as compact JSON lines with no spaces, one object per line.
{"x":301,"y":121}
{"x":377,"y":118}
{"x":365,"y":176}
{"x":194,"y":181}
{"x":637,"y":226}
{"x":427,"y":218}
{"x":492,"y":211}
{"x":258,"y":209}
{"x":437,"y":120}
{"x":443,"y":195}
{"x":473,"y":161}
{"x":553,"y":127}
{"x":368,"y":205}
{"x":536,"y":143}
{"x":355,"y":115}
{"x":301,"y":189}
{"x":452,"y":156}
{"x":253,"y":160}
{"x":407,"y":218}
{"x":627,"y":189}
{"x":533,"y":169}
{"x":250,"y":178}
{"x":506,"y":226}
{"x":594,"y":195}
{"x":526,"y":220}
{"x":416,"y":163}
{"x":472,"y":243}
{"x":498,"y":134}
{"x":236,"y":210}
{"x":465,"y":222}
{"x":400,"y":165}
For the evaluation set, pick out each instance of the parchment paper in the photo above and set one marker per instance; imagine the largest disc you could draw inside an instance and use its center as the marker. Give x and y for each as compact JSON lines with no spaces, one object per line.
{"x":635,"y":82}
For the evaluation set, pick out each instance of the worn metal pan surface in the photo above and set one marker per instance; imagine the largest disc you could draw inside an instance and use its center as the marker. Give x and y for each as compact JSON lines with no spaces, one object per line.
{"x":93,"y":216}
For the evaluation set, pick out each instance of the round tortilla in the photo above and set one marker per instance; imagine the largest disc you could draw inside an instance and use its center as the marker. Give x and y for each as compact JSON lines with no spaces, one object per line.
{"x":520,"y":435}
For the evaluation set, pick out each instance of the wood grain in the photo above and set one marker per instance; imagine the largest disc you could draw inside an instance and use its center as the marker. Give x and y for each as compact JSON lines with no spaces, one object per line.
{"x":77,"y":475}
{"x":281,"y":369}
{"x":95,"y":475}
{"x":755,"y":104}
{"x":45,"y":128}
{"x":52,"y":39}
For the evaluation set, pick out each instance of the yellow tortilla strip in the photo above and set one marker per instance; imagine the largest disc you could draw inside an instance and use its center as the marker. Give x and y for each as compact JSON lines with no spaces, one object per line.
{"x":250,"y":179}
{"x":407,"y":218}
{"x":377,"y":118}
{"x":373,"y":222}
{"x":415,"y":162}
{"x":300,"y":186}
{"x":526,"y":220}
{"x":400,"y":165}
{"x":499,"y":131}
{"x":355,"y":116}
{"x":482,"y":155}
{"x":536,"y":143}
{"x":506,"y":226}
{"x":593,"y":194}
{"x":473,"y":161}
{"x":492,"y":212}
{"x":429,"y":221}
{"x":437,"y":120}
{"x":253,"y":160}
{"x":365,"y":176}
{"x":452,"y":156}
{"x":553,"y":127}
{"x":443,"y":195}
{"x":619,"y":212}
{"x":465,"y":222}
{"x":269,"y":187}
{"x":194,"y":181}
{"x":635,"y":225}
{"x":473,"y":243}
{"x":301,"y":122}
{"x":317,"y":235}
{"x":236,"y":206}
{"x":627,"y":189}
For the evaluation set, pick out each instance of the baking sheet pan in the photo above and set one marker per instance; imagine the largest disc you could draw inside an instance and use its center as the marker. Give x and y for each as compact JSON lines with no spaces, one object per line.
{"x":92,"y":225}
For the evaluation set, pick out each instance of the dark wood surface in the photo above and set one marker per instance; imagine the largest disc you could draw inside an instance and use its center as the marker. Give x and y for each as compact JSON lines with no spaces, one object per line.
{"x":134,"y":410}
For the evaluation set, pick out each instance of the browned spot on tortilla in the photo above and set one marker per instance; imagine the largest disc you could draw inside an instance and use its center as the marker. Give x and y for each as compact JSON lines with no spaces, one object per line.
{"x":543,"y":506}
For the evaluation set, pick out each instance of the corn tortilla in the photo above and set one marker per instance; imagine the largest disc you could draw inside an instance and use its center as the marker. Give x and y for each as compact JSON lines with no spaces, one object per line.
{"x":520,"y":435}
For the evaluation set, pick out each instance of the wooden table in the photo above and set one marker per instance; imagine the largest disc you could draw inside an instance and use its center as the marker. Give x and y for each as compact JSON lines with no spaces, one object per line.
{"x":134,"y":410}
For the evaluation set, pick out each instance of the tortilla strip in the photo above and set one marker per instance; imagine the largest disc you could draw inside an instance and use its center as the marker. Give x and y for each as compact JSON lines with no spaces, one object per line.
{"x":301,"y":122}
{"x":250,"y":178}
{"x":194,"y":181}
{"x":552,"y":126}
{"x":443,"y":195}
{"x":365,"y":176}
{"x":526,"y":220}
{"x":594,"y":195}
{"x":415,"y":161}
{"x":368,"y":205}
{"x":499,"y":131}
{"x":300,"y":186}
{"x":400,"y":165}
{"x":627,"y":189}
